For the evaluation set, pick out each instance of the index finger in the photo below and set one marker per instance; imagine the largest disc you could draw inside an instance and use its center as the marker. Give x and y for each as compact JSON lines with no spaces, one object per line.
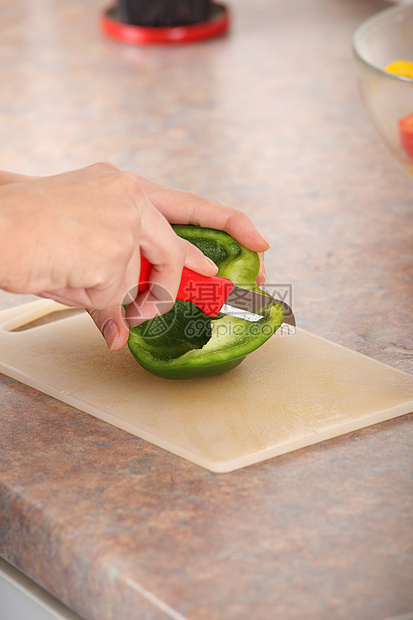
{"x":180,"y":207}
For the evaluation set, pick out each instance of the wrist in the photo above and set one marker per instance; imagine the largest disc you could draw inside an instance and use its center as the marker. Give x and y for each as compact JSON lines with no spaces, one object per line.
{"x":11,"y":242}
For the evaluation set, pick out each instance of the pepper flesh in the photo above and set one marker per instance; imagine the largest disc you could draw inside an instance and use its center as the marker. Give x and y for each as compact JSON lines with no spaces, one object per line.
{"x":185,"y":343}
{"x":406,"y":134}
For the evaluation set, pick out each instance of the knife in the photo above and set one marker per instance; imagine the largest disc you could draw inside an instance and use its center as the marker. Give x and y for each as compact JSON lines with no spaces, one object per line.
{"x":213,"y":294}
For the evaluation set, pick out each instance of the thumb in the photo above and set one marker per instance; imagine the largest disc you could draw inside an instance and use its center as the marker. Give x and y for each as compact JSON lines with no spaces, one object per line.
{"x":111,"y":323}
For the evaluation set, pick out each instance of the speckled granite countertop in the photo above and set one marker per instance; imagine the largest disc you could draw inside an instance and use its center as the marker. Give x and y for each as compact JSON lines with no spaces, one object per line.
{"x":267,"y":120}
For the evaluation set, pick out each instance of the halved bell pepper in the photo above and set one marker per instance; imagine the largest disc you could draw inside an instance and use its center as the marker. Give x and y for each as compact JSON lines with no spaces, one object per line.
{"x":184,"y":342}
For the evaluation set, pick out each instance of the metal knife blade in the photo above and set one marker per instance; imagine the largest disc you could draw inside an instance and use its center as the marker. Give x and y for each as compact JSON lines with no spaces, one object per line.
{"x":245,"y":304}
{"x":216,"y":294}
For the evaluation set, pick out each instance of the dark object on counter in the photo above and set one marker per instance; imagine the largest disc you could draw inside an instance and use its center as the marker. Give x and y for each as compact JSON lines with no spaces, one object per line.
{"x":143,"y":22}
{"x":156,"y":13}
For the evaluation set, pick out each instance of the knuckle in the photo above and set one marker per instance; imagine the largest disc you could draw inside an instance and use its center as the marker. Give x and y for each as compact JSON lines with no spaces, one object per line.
{"x":192,"y":195}
{"x":196,"y":199}
{"x":121,"y":183}
{"x":234,"y":216}
{"x":129,"y":183}
{"x":105,"y":166}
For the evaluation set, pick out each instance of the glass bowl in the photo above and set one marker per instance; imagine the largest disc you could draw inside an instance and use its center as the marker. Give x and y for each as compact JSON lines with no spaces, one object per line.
{"x":387,"y":97}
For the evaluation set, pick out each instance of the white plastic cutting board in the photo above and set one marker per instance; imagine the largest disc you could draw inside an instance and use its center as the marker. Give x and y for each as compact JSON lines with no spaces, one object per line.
{"x":293,"y":392}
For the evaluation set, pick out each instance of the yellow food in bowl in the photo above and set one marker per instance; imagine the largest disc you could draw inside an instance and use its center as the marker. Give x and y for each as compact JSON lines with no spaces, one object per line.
{"x":401,"y":67}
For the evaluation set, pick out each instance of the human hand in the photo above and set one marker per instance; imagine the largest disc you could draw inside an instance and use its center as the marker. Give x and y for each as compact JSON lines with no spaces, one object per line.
{"x":77,"y":238}
{"x":180,"y":207}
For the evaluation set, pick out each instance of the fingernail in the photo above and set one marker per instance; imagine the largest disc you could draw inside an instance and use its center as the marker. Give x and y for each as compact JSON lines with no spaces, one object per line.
{"x":110,"y":333}
{"x":261,"y":276}
{"x":211,"y":262}
{"x":265,"y":240}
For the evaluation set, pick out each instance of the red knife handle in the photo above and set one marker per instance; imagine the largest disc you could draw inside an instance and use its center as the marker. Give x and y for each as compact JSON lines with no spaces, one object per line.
{"x":208,"y":293}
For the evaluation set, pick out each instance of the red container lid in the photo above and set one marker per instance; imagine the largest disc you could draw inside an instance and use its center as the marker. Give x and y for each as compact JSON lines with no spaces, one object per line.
{"x":216,"y":26}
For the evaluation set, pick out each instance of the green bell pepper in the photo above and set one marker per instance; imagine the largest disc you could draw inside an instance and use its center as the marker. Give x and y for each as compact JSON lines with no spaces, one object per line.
{"x":184,"y":342}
